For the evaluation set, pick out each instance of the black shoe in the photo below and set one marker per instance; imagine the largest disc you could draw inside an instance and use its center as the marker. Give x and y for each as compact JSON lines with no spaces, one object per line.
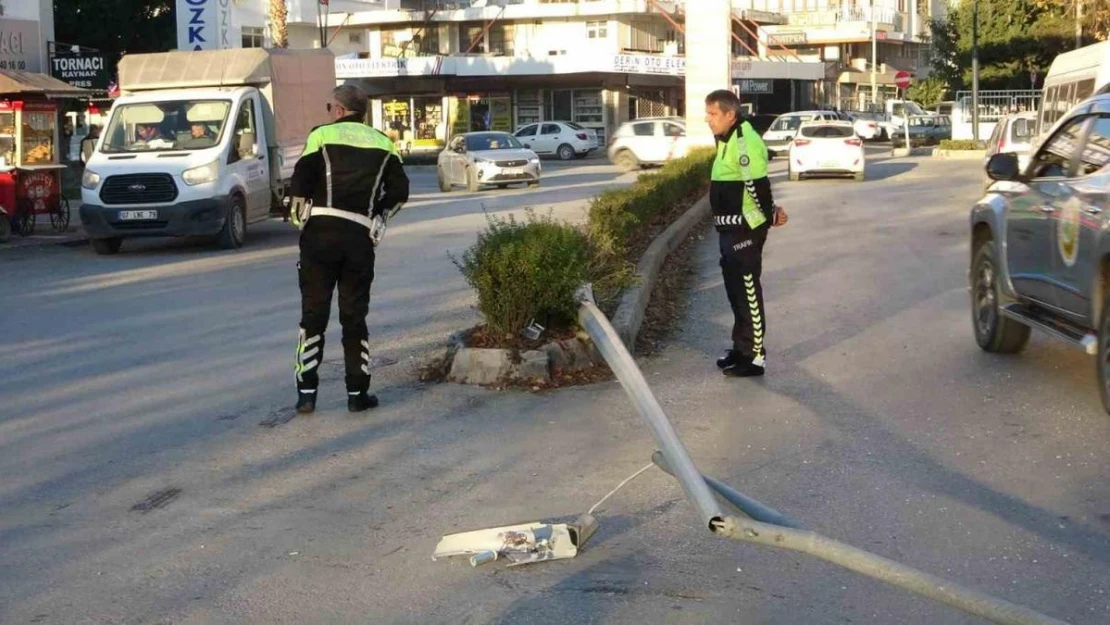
{"x":306,"y":403}
{"x":727,"y":360}
{"x":743,"y":370}
{"x":361,"y":401}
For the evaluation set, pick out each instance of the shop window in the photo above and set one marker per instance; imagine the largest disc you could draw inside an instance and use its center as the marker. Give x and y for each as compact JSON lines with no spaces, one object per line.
{"x":597,"y":30}
{"x":428,"y":115}
{"x":253,"y":36}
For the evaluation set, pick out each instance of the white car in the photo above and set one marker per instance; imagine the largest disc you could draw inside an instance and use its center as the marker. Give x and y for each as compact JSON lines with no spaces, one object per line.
{"x":480,"y":159}
{"x":1013,"y":133}
{"x":777,"y":138}
{"x":866,"y":125}
{"x":567,"y":140}
{"x":827,"y":148}
{"x":648,"y":141}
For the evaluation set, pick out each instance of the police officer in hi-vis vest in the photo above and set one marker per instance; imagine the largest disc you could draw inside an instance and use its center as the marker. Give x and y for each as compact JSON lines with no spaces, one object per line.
{"x":347,"y":182}
{"x":743,"y":212}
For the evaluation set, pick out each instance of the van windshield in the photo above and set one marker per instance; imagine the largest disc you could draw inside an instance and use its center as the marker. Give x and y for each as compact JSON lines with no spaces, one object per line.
{"x":169,"y":125}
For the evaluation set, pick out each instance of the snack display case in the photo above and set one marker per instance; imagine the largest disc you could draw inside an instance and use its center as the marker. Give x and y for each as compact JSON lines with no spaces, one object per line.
{"x":30,"y":174}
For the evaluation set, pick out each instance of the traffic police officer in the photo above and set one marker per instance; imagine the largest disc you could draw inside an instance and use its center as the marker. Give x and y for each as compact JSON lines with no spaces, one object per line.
{"x":743,"y":211}
{"x":346,"y":183}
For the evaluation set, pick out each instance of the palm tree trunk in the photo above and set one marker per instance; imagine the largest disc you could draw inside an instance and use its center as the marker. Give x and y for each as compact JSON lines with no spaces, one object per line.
{"x":279,"y":33}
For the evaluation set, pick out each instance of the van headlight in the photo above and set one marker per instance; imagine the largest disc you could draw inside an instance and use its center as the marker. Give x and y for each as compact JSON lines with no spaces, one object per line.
{"x":90,"y":179}
{"x":200,"y":175}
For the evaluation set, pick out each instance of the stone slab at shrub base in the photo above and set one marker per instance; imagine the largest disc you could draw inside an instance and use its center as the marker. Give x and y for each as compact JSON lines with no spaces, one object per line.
{"x":481,"y":366}
{"x":962,"y":155}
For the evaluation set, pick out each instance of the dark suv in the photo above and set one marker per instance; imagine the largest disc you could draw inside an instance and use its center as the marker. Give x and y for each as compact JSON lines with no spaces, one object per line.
{"x":1040,"y":249}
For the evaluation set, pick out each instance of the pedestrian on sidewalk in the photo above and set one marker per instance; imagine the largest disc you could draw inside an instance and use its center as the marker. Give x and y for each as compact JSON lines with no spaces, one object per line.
{"x":743,"y":212}
{"x":348,"y":181}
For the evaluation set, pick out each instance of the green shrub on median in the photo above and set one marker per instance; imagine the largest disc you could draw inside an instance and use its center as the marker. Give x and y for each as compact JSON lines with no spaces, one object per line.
{"x":616,"y":215}
{"x":525,"y":270}
{"x":960,"y":144}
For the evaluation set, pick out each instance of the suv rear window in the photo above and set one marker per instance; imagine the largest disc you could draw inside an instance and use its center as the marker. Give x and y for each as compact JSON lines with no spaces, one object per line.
{"x":828,"y":132}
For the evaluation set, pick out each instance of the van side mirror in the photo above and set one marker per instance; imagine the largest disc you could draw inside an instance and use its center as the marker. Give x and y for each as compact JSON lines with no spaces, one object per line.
{"x":1003,"y":166}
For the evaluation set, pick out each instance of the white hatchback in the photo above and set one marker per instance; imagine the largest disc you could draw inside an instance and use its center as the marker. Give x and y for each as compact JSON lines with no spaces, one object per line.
{"x":827,"y":148}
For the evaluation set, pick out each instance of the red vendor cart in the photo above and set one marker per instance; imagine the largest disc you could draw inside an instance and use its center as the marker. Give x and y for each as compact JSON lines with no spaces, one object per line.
{"x":30,"y":168}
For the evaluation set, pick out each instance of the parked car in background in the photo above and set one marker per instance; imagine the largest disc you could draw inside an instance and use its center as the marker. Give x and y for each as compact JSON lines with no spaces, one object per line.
{"x":827,"y":148}
{"x":867,"y":125}
{"x":648,"y":141}
{"x":1013,"y":134}
{"x":1040,"y":242}
{"x":924,"y":130}
{"x":761,"y":122}
{"x":944,"y":108}
{"x":478,"y":159}
{"x":567,"y":140}
{"x":782,"y":131}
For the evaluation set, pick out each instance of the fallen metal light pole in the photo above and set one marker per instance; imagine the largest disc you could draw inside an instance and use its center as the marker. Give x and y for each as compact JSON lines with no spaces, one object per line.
{"x":764,"y":525}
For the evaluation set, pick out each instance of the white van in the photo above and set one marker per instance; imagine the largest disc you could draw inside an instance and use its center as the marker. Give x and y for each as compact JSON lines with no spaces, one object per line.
{"x":1073,"y":77}
{"x":202,"y":143}
{"x":782,"y":130}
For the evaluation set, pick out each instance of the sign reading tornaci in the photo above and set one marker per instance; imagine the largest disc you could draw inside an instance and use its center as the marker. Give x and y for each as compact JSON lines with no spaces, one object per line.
{"x":206,"y":25}
{"x":80,"y":69}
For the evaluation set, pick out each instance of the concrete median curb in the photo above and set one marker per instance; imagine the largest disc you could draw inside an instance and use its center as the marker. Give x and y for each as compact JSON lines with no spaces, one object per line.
{"x":634,"y":301}
{"x":960,"y":155}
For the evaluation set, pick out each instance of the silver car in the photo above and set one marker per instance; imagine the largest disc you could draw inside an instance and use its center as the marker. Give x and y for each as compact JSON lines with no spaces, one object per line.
{"x":478,"y":159}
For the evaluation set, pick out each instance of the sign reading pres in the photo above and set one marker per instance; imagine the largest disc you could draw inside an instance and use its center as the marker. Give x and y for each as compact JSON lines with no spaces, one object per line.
{"x":206,"y":25}
{"x":80,"y":70}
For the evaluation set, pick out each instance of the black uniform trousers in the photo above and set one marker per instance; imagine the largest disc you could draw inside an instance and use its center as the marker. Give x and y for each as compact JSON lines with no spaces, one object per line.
{"x":742,"y":265}
{"x":334,"y":252}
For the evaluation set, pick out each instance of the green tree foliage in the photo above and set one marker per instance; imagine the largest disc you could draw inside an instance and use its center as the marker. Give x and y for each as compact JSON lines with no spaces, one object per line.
{"x":116,"y":27}
{"x":929,"y":91}
{"x":1017,"y":40}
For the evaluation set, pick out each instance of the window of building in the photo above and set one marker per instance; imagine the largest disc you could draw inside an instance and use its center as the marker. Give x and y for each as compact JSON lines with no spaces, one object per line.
{"x":597,"y":30}
{"x":470,"y":34}
{"x":500,"y":40}
{"x":354,"y":38}
{"x":428,"y":41}
{"x":253,"y":36}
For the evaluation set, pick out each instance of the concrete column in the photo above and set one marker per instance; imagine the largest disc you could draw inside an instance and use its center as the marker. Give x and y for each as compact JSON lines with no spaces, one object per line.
{"x":708,"y":62}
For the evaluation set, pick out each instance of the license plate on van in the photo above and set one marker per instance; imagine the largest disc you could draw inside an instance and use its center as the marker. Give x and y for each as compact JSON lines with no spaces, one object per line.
{"x":137,"y":215}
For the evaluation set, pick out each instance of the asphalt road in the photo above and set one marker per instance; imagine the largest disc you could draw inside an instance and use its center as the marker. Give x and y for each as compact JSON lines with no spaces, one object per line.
{"x":140,"y":485}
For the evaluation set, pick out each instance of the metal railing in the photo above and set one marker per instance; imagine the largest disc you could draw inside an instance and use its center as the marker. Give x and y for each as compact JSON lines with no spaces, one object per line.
{"x":761,"y":524}
{"x":993,"y":105}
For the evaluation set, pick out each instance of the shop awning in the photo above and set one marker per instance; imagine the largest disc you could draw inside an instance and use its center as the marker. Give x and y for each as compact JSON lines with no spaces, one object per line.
{"x":14,"y":83}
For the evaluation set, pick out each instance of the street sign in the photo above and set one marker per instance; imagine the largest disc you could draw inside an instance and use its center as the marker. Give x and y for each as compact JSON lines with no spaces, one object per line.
{"x":903,"y":80}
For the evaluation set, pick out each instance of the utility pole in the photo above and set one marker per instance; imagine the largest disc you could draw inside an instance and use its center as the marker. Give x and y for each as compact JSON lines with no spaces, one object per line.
{"x":1078,"y":24}
{"x":874,"y":58}
{"x":975,"y":71}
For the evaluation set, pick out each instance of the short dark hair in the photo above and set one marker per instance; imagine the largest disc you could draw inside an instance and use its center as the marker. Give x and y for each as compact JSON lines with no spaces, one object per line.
{"x":725,"y":100}
{"x":351,"y":97}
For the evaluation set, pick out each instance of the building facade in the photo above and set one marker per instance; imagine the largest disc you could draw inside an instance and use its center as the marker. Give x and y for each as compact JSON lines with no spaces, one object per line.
{"x":435,"y":68}
{"x":840,"y":33}
{"x":25,"y":28}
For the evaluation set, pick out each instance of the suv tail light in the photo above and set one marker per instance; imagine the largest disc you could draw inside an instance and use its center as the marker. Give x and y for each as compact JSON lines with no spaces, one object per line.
{"x":583,"y":136}
{"x":853,"y":141}
{"x":801,"y":142}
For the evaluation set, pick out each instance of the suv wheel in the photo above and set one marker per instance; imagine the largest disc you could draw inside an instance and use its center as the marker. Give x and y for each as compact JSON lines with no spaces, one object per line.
{"x":993,"y":332}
